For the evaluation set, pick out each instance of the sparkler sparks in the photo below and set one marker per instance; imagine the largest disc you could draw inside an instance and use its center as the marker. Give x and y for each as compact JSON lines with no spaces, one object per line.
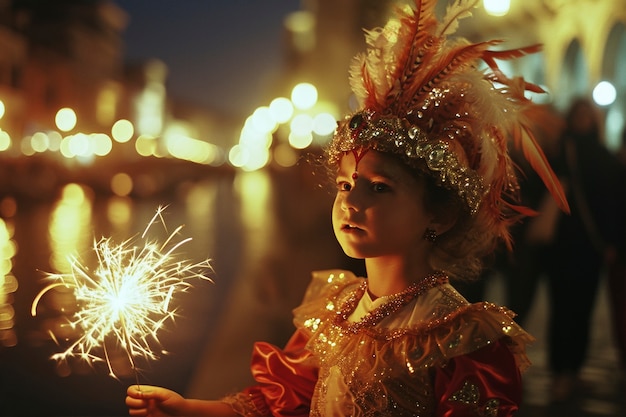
{"x":127,"y":297}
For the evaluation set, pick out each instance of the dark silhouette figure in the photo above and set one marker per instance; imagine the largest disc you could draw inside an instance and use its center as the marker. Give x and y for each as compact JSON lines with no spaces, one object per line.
{"x":584,"y":242}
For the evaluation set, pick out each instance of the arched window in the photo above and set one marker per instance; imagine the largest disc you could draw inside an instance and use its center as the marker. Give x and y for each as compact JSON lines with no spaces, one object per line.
{"x":613,"y":64}
{"x":574,"y":80}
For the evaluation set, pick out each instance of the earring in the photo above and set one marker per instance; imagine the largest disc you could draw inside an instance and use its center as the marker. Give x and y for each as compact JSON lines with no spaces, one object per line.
{"x":430,"y":235}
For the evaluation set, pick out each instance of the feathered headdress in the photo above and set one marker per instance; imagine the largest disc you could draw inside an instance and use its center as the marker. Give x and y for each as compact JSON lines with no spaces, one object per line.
{"x":423,"y":97}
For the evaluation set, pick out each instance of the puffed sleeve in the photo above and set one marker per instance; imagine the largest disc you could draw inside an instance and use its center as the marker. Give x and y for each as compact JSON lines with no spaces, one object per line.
{"x":285,"y":380}
{"x":485,"y":383}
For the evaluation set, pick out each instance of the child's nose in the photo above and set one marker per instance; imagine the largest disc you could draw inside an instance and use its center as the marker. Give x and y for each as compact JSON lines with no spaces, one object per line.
{"x":354,"y":198}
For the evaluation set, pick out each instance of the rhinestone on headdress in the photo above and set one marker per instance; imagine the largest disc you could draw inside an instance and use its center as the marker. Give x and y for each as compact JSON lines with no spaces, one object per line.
{"x":397,"y":136}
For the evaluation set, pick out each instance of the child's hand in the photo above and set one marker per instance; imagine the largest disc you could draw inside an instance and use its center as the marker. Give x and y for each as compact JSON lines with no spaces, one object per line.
{"x":151,"y":401}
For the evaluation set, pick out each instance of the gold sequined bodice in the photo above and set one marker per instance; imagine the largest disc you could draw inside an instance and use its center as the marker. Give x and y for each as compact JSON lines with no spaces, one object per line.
{"x":387,"y":369}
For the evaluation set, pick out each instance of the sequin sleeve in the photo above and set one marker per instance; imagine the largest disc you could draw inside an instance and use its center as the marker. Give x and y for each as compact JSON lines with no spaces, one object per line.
{"x":483,"y":383}
{"x":286,"y":378}
{"x":285,"y":381}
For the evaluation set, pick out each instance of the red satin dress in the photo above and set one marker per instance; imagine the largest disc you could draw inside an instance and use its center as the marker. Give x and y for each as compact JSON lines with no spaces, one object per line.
{"x":438,"y":355}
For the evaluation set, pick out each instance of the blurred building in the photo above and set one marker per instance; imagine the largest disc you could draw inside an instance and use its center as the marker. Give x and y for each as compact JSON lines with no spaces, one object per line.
{"x":65,"y":53}
{"x":70,"y":54}
{"x":584,"y":43}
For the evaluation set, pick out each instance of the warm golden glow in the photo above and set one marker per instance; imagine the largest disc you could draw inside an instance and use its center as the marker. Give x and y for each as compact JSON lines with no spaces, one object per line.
{"x":69,"y":225}
{"x":122,"y":131}
{"x":497,"y":7}
{"x":281,"y":109}
{"x":119,"y":211}
{"x":54,"y":140}
{"x":304,"y":96}
{"x":302,"y":125}
{"x":238,"y":156}
{"x":65,"y":119}
{"x":190,"y":149}
{"x":255,"y":192}
{"x":146,"y":145}
{"x":301,"y":25}
{"x":257,"y":159}
{"x":285,"y":155}
{"x":150,"y":103}
{"x":106,"y":103}
{"x":102,"y":144}
{"x":324,"y":124}
{"x":39,"y":142}
{"x":80,"y":145}
{"x":5,"y":140}
{"x":263,"y":121}
{"x":300,"y":140}
{"x":26,"y":146}
{"x":8,"y":285}
{"x":121,"y":184}
{"x":254,"y":189}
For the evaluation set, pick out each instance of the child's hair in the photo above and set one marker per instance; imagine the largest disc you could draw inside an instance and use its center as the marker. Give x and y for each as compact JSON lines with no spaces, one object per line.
{"x":460,"y":250}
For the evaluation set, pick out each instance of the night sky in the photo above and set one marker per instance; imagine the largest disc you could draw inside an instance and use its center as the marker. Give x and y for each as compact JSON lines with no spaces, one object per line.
{"x":220,"y":53}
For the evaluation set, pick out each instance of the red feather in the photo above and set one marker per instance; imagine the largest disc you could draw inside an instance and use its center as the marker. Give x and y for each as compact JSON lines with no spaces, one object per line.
{"x":490,"y":56}
{"x":446,"y":65}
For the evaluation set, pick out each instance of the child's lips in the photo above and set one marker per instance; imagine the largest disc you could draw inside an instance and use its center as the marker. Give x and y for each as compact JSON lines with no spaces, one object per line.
{"x":350,"y":227}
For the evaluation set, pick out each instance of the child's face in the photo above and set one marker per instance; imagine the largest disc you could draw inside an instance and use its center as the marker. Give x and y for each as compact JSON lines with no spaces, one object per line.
{"x":381,"y":212}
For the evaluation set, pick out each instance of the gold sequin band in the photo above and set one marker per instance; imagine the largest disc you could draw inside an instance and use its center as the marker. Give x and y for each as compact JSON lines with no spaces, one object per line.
{"x":397,"y":136}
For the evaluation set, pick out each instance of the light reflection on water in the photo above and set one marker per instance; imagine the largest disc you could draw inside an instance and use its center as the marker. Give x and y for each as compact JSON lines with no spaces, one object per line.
{"x":71,"y":234}
{"x":8,"y":285}
{"x":68,"y":232}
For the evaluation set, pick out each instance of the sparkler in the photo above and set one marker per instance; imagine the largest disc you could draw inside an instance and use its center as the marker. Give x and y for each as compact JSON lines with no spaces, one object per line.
{"x":127,"y":297}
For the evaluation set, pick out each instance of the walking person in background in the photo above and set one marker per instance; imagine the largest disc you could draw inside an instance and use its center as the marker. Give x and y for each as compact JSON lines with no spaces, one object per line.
{"x":425,"y":189}
{"x":583,"y":244}
{"x":617,"y":266}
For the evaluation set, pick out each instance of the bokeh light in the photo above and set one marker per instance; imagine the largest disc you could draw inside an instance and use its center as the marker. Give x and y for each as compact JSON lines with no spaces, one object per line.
{"x":8,"y":285}
{"x":121,"y":184}
{"x":5,"y":140}
{"x":497,"y":7}
{"x":122,"y":131}
{"x":304,"y":96}
{"x":65,"y":119}
{"x":263,"y":121}
{"x":146,"y":145}
{"x":324,"y":124}
{"x":604,"y":93}
{"x":281,"y":109}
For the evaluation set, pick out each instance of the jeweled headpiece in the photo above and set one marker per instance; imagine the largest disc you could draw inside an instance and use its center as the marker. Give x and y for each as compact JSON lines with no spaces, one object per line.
{"x":423,"y":98}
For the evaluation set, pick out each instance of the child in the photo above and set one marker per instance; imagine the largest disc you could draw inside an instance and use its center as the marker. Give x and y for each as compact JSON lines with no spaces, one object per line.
{"x":425,"y":189}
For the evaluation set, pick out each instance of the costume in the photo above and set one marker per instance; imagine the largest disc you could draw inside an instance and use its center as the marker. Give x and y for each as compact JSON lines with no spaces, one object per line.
{"x":437,"y":355}
{"x":424,"y":352}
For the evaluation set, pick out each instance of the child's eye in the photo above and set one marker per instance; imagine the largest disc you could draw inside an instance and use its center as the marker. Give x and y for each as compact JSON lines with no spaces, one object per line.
{"x":379,"y":187}
{"x":344,"y":186}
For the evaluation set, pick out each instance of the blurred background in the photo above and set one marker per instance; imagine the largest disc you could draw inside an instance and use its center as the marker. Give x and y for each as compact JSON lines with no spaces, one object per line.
{"x":111,"y":109}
